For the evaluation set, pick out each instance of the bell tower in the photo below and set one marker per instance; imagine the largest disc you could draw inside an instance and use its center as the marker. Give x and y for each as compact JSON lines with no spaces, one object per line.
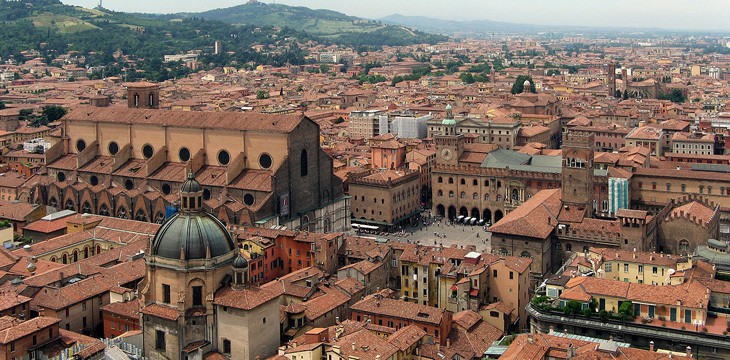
{"x":577,"y":170}
{"x":449,"y":144}
{"x":143,"y":95}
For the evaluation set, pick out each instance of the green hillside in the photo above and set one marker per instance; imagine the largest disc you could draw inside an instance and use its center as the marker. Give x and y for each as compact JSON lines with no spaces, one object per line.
{"x":52,"y":28}
{"x":327,"y":25}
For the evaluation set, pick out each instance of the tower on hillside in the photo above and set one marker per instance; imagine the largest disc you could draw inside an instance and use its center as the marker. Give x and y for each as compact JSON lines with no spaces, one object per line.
{"x":577,"y":172}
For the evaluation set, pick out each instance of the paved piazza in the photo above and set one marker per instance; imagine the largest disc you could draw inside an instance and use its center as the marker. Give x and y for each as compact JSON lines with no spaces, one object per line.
{"x":440,"y":231}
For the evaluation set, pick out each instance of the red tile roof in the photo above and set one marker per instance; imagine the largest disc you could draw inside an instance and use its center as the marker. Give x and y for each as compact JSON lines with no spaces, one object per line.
{"x":161,"y":311}
{"x":536,"y":218}
{"x":197,"y":120}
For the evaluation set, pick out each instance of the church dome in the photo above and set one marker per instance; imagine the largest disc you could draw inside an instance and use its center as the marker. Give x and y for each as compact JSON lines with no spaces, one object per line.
{"x":192,"y":233}
{"x":191,"y":185}
{"x":240,"y":262}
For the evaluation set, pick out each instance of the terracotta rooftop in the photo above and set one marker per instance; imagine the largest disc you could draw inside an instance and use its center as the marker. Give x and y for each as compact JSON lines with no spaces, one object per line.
{"x":372,"y":304}
{"x":196,"y":120}
{"x":536,"y":218}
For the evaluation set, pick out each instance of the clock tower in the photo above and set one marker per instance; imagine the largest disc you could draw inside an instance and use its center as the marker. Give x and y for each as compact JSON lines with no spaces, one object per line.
{"x":449,"y":144}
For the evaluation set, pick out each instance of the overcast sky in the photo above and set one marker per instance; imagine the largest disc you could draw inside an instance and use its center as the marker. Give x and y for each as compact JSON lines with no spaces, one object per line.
{"x":667,"y":14}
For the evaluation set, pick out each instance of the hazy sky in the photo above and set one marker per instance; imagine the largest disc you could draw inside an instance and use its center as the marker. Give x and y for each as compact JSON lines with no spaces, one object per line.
{"x":668,"y":14}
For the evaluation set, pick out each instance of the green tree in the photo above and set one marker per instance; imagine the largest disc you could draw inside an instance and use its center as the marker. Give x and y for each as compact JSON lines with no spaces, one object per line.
{"x":467,"y":78}
{"x":519,"y":84}
{"x":572,"y":307}
{"x":2,"y":105}
{"x":626,"y":310}
{"x":324,"y":68}
{"x":262,"y":94}
{"x":676,"y":96}
{"x":53,"y":112}
{"x":626,"y":95}
{"x":617,"y":95}
{"x":25,"y":114}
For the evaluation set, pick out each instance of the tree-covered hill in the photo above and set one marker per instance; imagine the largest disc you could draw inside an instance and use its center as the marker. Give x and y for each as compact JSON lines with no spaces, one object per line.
{"x":327,"y":25}
{"x":53,"y":28}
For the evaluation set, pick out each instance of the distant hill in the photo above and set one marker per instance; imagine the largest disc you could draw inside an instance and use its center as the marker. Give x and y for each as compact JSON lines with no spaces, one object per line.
{"x":327,"y":25}
{"x":454,"y":27}
{"x":481,"y":28}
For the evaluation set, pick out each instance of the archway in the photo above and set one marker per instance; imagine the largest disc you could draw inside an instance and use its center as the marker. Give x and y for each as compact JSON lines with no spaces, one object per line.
{"x":141,"y":216}
{"x":70,"y":205}
{"x":440,"y":210}
{"x":475,"y":213}
{"x":463,"y":211}
{"x":498,"y":215}
{"x":104,"y":210}
{"x":487,"y":215}
{"x":515,"y":195}
{"x":452,"y":213}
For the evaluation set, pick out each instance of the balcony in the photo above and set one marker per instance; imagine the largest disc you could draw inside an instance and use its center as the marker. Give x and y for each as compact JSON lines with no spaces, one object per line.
{"x":543,"y":318}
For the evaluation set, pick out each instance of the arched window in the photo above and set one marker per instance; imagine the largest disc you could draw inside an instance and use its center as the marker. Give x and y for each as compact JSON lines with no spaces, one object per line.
{"x":441,"y":180}
{"x":475,"y":196}
{"x":462,"y":195}
{"x":303,"y":163}
{"x":152,"y":100}
{"x":503,"y":251}
{"x":65,"y":258}
{"x":526,"y":254}
{"x":441,"y":193}
{"x":683,"y":245}
{"x":486,"y":182}
{"x":451,"y":193}
{"x":474,"y":182}
{"x":136,"y":100}
{"x":463,"y":182}
{"x":98,"y":249}
{"x":486,"y":197}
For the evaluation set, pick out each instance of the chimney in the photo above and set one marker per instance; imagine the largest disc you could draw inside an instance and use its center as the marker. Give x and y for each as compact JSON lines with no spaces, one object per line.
{"x":530,"y":338}
{"x":353,"y":346}
{"x":448,"y":342}
{"x":651,"y":345}
{"x":689,"y":351}
{"x":571,"y":352}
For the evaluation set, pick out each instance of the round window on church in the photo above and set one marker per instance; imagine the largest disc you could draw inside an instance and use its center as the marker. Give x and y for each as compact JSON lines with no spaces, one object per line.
{"x":184,"y":154}
{"x":80,"y":145}
{"x":128,"y":184}
{"x":147,"y":151}
{"x":206,"y":194}
{"x":113,"y":148}
{"x":224,"y":157}
{"x":166,"y":189}
{"x":61,"y":176}
{"x":248,"y":199}
{"x":265,"y":161}
{"x":93,"y":180}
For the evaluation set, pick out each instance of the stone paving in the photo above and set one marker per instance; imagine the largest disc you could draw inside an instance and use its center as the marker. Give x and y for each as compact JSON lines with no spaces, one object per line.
{"x":440,"y":231}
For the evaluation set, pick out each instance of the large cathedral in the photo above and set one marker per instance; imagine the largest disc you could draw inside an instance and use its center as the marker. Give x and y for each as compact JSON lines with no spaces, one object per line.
{"x":197,"y":300}
{"x":254,"y":169}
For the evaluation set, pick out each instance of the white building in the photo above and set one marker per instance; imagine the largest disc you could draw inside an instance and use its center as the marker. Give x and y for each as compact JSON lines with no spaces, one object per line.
{"x":405,"y":125}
